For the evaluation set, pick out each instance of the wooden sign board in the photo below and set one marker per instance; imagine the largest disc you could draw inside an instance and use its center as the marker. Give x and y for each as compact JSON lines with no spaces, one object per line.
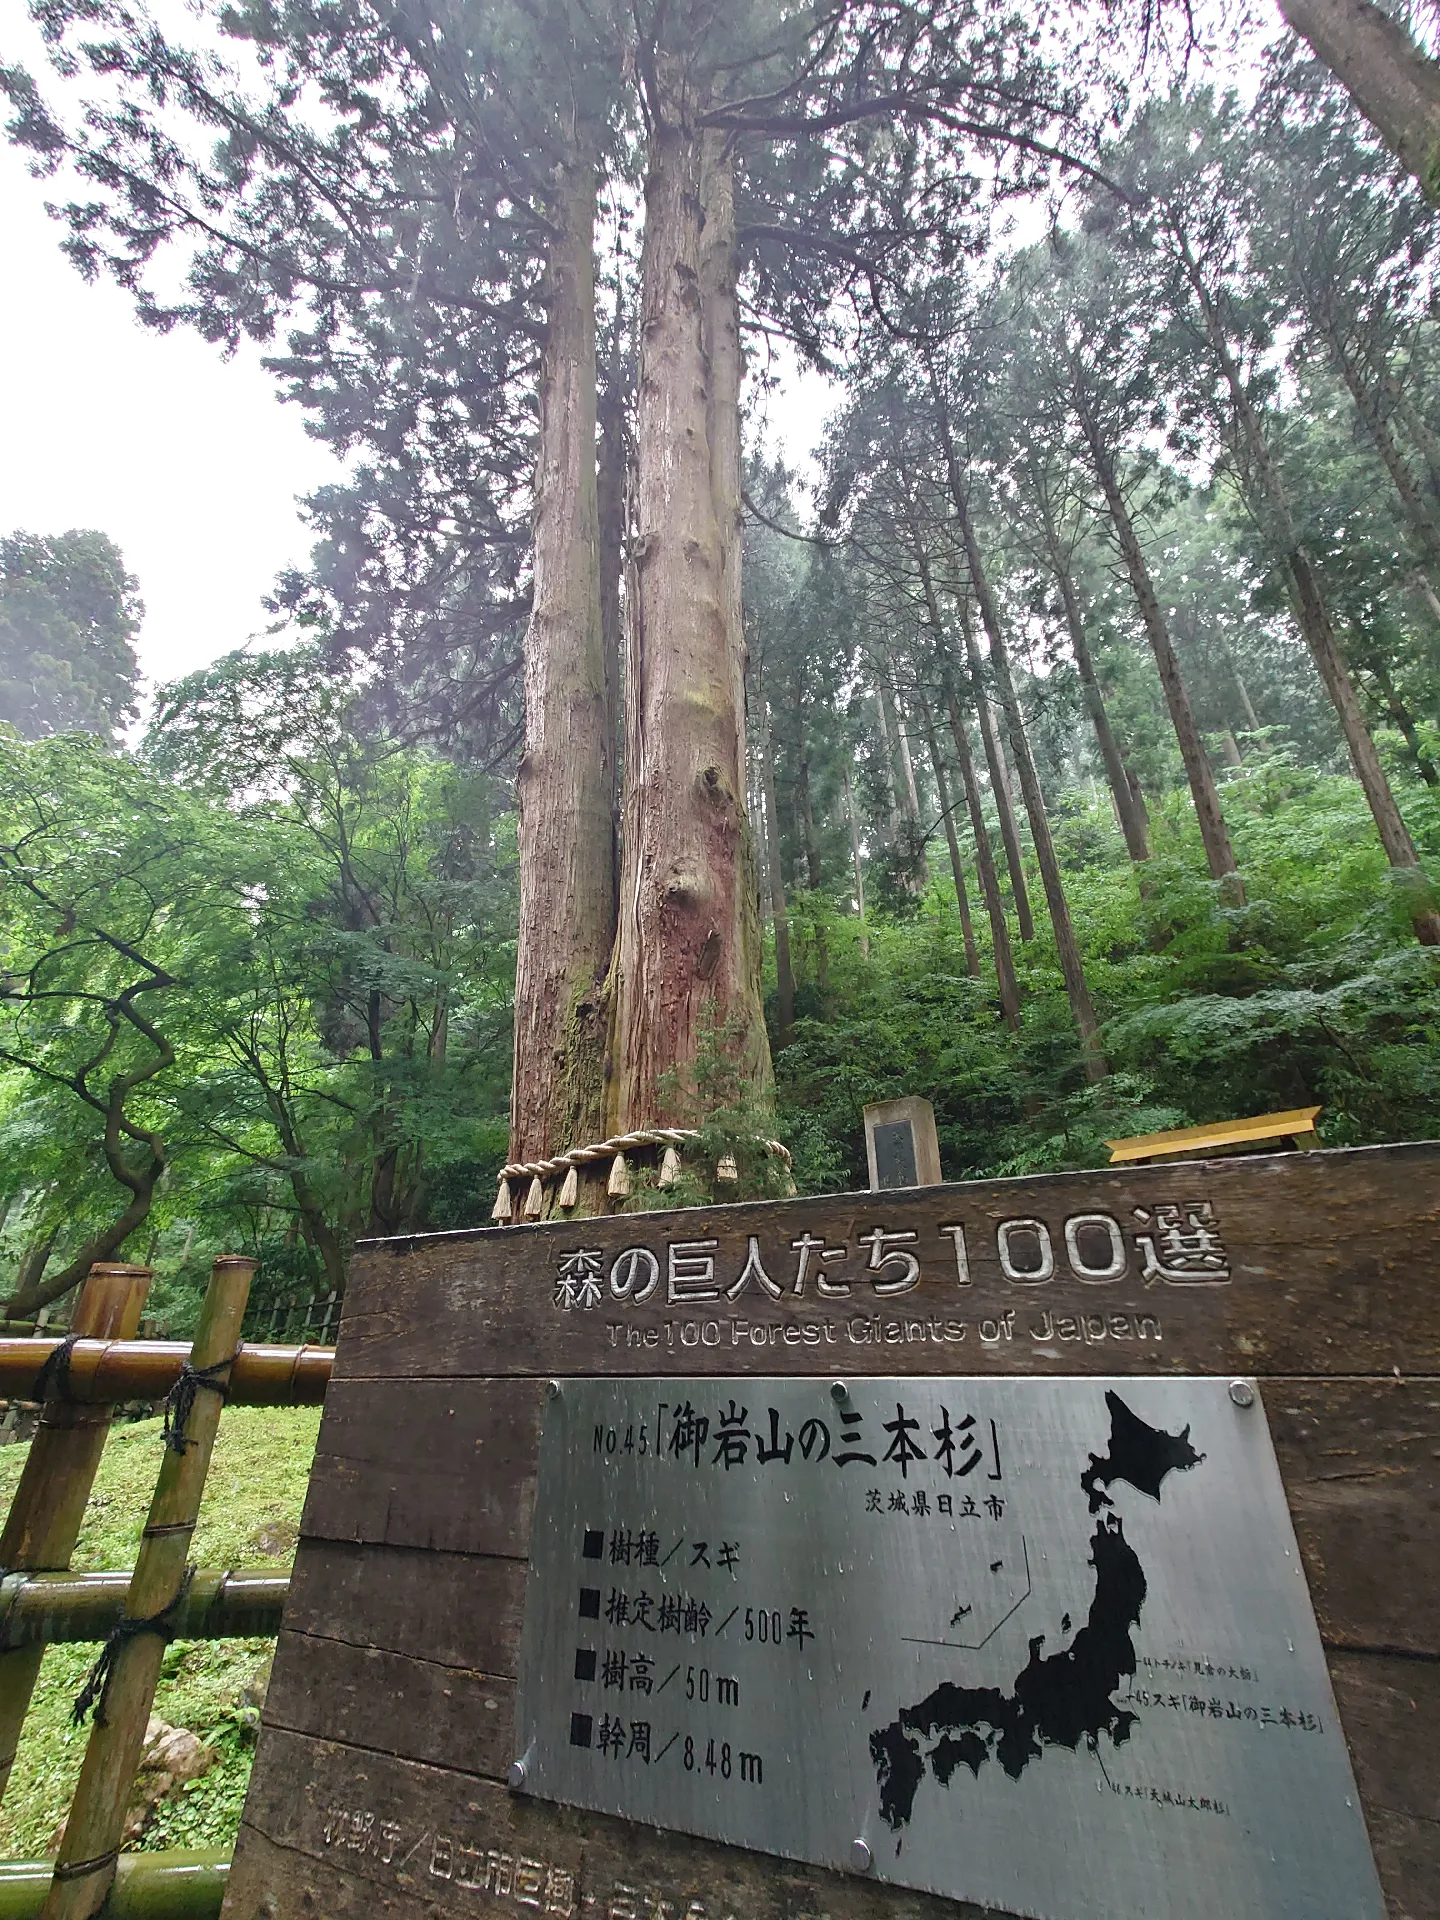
{"x":380,"y":1784}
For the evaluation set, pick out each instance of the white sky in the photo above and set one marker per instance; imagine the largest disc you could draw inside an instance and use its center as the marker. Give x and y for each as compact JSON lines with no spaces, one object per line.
{"x":187,"y":461}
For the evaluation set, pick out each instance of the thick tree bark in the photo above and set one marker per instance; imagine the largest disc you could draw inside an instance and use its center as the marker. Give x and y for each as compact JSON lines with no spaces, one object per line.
{"x":779,"y":916}
{"x":1131,"y":825}
{"x":1385,"y":73}
{"x":1068,"y":948}
{"x":952,"y":840}
{"x":985,"y":868}
{"x":687,"y":965}
{"x":855,"y":863}
{"x":720,"y":343}
{"x":1214,"y":835}
{"x":610,"y":501}
{"x":566,"y":777}
{"x":1266,"y":486}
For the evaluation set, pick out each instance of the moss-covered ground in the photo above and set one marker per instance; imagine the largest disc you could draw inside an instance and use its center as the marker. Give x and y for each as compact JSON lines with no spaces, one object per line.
{"x":250,"y":1516}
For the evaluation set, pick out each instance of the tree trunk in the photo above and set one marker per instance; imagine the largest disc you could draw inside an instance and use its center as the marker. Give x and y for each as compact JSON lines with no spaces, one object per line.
{"x":994,"y":753}
{"x":1427,"y":593}
{"x":907,"y":765}
{"x":1416,"y":427}
{"x":1071,"y":966}
{"x":904,"y":803}
{"x":1313,"y":619}
{"x":999,"y":784}
{"x":1214,"y":834}
{"x":811,"y":844}
{"x":1385,"y":73}
{"x":784,"y":973}
{"x":610,"y":500}
{"x":887,"y":766}
{"x":1423,"y":522}
{"x":1136,"y":842}
{"x":566,"y":777}
{"x":985,"y":867}
{"x":962,"y":898}
{"x":720,"y":344}
{"x":33,"y":1263}
{"x":1405,"y":722}
{"x":105,"y":1244}
{"x":687,"y":963}
{"x":855,"y":862}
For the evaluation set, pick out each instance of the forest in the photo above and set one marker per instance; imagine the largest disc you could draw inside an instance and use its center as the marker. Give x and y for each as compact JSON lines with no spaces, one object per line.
{"x":1062,"y":744}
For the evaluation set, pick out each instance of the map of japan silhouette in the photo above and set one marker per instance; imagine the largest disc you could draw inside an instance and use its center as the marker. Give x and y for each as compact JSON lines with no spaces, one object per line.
{"x":1060,"y":1699}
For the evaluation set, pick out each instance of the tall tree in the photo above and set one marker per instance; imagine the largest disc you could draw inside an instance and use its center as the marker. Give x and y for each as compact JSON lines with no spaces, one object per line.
{"x":1086,"y":332}
{"x":963,"y":509}
{"x":1186,"y":166}
{"x":445,"y":117}
{"x":567,"y":775}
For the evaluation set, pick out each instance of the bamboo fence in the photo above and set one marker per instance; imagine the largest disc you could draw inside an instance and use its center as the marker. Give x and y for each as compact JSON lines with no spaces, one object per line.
{"x":135,"y":1614}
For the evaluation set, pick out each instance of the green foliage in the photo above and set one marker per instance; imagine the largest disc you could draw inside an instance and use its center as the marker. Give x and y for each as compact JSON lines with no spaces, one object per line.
{"x":288,"y":942}
{"x":1314,"y":992}
{"x":69,"y":613}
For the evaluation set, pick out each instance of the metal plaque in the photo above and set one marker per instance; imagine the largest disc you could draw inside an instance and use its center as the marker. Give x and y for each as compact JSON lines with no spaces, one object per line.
{"x":1043,"y":1644}
{"x":895,"y":1155}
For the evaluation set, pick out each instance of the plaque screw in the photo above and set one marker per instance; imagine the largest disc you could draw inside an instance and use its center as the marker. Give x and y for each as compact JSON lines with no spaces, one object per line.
{"x":1242,"y":1393}
{"x":839,"y":1391}
{"x":860,"y":1855}
{"x":517,"y":1775}
{"x":553,"y":1389}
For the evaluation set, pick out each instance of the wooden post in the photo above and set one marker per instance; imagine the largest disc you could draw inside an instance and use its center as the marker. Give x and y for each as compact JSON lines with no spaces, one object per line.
{"x":86,"y":1864}
{"x":55,"y":1483}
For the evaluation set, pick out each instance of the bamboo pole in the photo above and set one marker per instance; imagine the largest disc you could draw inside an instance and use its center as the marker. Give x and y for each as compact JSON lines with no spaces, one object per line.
{"x":55,"y":1482}
{"x":109,"y":1370}
{"x":41,"y":1609}
{"x":183,"y":1884}
{"x":86,"y":1864}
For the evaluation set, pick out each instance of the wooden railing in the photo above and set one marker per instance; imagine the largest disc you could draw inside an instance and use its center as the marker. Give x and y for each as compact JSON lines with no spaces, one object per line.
{"x":134,"y":1614}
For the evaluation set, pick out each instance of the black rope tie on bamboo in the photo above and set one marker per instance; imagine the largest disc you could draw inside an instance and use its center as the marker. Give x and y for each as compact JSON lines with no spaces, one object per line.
{"x":53,"y":1380}
{"x":82,"y":1869}
{"x":97,"y":1681}
{"x":181,"y":1397}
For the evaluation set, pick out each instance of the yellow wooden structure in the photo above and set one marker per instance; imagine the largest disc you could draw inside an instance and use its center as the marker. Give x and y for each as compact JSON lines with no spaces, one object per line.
{"x":1219,"y":1136}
